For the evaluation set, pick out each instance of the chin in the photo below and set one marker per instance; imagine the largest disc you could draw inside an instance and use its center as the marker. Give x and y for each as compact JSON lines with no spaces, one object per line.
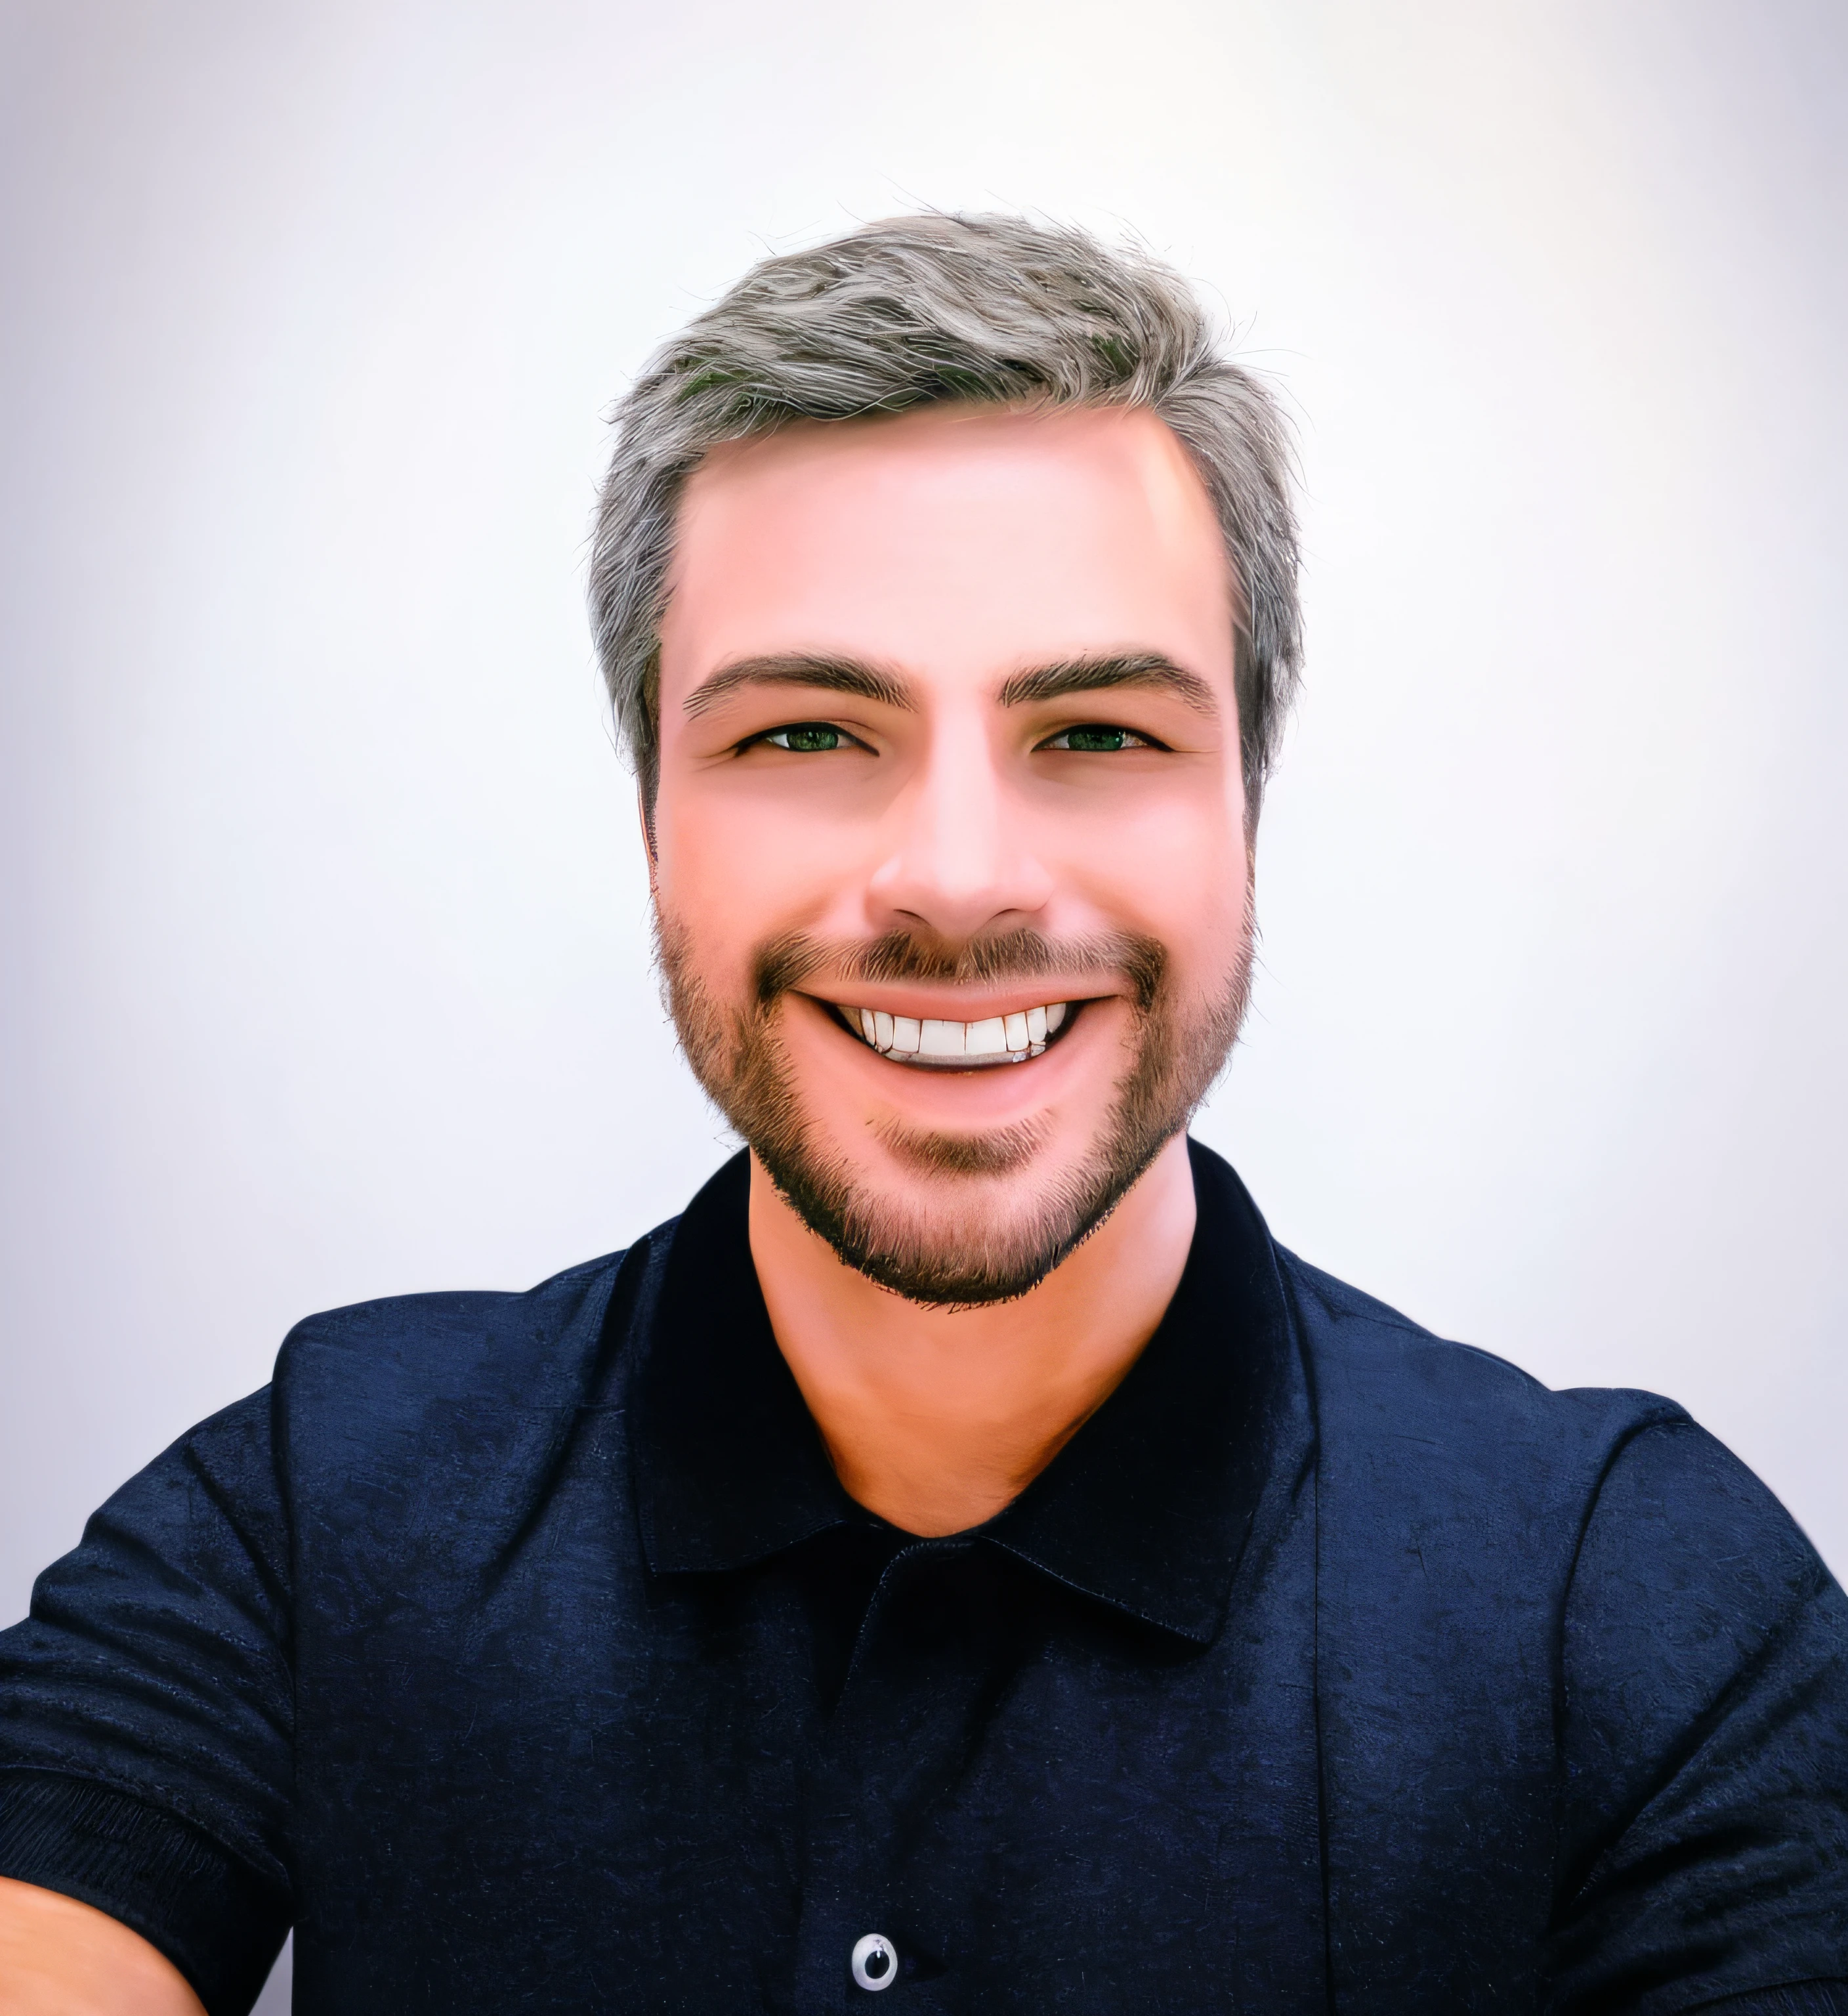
{"x":952,"y":1220}
{"x":956,"y":1164}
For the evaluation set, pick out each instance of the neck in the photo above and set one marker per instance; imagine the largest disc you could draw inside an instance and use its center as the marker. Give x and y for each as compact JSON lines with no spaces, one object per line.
{"x":935,"y":1418}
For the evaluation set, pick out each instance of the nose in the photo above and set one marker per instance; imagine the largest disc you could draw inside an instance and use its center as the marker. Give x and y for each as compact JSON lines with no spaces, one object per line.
{"x":959,"y":863}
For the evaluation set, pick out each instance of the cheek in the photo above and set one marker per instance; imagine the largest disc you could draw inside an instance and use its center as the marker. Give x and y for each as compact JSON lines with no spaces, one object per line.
{"x":1175,"y":867}
{"x":734,"y":871}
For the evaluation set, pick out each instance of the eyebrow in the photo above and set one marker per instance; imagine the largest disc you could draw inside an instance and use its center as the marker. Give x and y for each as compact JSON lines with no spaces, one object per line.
{"x":861,"y":681}
{"x":840,"y":675}
{"x":1147,"y":669}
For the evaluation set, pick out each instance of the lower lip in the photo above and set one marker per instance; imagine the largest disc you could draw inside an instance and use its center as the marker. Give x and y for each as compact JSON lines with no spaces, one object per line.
{"x":1085,"y":1061}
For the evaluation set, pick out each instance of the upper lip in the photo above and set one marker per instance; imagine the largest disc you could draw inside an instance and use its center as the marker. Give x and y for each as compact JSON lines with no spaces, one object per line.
{"x":966,"y":1005}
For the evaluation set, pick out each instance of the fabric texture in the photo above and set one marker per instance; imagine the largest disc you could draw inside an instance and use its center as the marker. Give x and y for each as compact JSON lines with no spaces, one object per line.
{"x":1802,"y":1998}
{"x":523,"y":1651}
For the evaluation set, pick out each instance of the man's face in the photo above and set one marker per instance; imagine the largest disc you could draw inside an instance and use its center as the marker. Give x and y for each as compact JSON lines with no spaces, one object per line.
{"x":950,"y":761}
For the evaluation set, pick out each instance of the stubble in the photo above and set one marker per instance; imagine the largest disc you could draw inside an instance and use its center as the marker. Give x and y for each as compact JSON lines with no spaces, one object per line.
{"x":945,"y":1245}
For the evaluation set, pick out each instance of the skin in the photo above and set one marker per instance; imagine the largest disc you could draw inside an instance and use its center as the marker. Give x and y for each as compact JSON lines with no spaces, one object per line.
{"x":952,"y":551}
{"x":61,"y":1958}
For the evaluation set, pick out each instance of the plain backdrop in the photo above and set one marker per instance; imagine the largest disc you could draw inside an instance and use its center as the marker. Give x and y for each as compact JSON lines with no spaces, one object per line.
{"x":326,"y":969}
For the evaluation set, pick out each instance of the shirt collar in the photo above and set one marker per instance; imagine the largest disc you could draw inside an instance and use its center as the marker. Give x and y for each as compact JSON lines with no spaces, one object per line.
{"x":1148,"y":1508}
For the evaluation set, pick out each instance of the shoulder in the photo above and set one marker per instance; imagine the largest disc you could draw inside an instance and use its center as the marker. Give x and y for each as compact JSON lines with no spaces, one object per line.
{"x":401,"y":1323}
{"x":431,"y":1428}
{"x":1438,"y":1460}
{"x":377,"y":1382}
{"x":1377,"y":1375}
{"x":1457,"y":1452}
{"x":1540,"y":1615}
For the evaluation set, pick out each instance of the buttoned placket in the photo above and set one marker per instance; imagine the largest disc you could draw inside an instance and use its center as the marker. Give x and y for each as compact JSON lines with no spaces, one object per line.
{"x":924,"y":1664}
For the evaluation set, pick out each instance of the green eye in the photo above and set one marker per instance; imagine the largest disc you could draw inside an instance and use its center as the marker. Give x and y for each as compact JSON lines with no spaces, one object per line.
{"x":1093,"y":738}
{"x":806,"y":738}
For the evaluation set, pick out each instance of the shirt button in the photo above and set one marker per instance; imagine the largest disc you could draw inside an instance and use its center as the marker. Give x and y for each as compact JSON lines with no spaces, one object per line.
{"x":875,"y":1962}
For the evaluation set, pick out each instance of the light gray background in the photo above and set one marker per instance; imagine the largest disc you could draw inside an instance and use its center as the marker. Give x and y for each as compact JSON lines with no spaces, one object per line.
{"x":325,"y":953}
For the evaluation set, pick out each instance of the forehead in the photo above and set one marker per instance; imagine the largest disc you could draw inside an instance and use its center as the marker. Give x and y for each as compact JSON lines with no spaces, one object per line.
{"x":953,"y":537}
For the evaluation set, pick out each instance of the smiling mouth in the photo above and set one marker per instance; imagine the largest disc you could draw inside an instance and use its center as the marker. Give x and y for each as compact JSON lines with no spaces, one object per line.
{"x":943,"y":1045}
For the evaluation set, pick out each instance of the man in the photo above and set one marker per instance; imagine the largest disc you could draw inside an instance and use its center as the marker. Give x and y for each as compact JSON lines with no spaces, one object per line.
{"x":961,"y":1557}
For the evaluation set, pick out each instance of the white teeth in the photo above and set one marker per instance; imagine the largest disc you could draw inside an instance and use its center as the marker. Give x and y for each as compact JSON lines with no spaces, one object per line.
{"x":1021,"y":1034}
{"x":986,"y":1039}
{"x":942,"y":1039}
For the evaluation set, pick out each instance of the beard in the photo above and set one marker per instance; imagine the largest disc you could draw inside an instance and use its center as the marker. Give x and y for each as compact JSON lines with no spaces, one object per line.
{"x":951,"y":1246}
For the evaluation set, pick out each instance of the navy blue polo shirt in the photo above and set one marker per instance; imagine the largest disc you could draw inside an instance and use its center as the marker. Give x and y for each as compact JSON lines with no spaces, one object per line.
{"x":523,"y":1652}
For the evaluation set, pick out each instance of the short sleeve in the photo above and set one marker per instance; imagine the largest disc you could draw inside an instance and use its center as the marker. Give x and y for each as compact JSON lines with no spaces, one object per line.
{"x":1704,"y":1740}
{"x":146,"y":1712}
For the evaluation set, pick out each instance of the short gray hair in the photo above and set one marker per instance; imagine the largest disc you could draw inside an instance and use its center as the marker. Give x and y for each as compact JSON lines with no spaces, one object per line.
{"x":921,"y":310}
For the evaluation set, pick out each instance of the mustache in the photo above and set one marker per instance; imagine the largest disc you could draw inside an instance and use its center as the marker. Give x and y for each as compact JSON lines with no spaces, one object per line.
{"x":782,"y":963}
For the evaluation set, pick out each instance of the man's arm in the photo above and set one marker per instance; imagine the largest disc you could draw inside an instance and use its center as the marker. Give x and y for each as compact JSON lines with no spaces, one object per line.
{"x":146,"y":1737}
{"x":61,"y":1958}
